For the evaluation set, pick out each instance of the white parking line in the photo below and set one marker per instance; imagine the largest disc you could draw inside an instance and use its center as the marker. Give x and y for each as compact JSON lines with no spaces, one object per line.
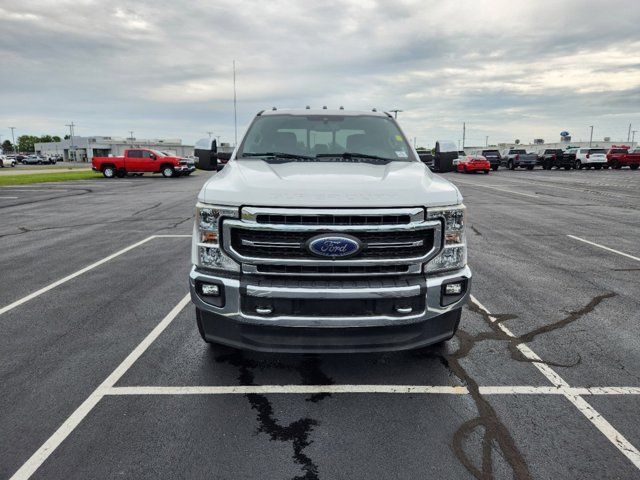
{"x":637,"y":259}
{"x":38,"y":458}
{"x":399,"y":389}
{"x":57,"y":283}
{"x":495,"y":188}
{"x":615,"y":437}
{"x":8,"y":198}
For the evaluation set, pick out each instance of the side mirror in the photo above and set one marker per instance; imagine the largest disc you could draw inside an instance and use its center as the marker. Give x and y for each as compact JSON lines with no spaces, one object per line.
{"x":206,"y":153}
{"x":152,"y":156}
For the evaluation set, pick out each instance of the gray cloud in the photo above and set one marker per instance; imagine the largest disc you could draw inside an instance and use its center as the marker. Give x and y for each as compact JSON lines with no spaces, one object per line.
{"x":509,"y":69}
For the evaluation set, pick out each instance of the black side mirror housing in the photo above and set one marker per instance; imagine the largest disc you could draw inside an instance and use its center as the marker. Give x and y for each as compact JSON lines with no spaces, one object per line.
{"x":206,"y":153}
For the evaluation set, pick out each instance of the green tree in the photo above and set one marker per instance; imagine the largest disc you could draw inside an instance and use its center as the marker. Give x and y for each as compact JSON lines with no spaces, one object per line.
{"x":7,"y":146}
{"x":46,"y":139}
{"x":56,"y":138}
{"x":26,"y":142}
{"x":67,"y":137}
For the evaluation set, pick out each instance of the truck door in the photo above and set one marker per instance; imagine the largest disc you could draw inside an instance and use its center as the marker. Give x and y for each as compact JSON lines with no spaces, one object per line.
{"x":132,"y":160}
{"x":148,"y":162}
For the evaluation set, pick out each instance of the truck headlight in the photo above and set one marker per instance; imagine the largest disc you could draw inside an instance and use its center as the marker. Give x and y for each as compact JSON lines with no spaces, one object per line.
{"x":454,"y":253}
{"x":206,"y":251}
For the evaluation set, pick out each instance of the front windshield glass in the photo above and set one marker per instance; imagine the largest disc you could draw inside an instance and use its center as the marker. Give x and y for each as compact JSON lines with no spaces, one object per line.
{"x":325,"y":137}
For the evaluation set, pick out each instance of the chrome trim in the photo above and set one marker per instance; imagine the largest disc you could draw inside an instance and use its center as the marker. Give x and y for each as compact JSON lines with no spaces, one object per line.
{"x":333,"y":293}
{"x":250,"y":214}
{"x":411,"y":269}
{"x":228,"y":224}
{"x":250,"y":243}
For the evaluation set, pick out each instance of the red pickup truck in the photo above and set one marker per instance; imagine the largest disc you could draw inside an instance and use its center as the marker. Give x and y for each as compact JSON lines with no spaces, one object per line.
{"x":619,"y":156}
{"x":140,"y":161}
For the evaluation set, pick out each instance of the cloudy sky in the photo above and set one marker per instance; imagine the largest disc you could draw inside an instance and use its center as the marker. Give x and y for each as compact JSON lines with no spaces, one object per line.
{"x":509,"y":68}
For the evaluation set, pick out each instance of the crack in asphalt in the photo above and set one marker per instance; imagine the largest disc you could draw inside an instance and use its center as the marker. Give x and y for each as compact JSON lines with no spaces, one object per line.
{"x":494,"y":431}
{"x":476,"y":231}
{"x":297,"y":432}
{"x":155,"y":205}
{"x":79,"y":192}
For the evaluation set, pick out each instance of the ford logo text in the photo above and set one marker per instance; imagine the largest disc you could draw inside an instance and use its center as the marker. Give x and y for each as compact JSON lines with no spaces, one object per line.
{"x":334,"y":246}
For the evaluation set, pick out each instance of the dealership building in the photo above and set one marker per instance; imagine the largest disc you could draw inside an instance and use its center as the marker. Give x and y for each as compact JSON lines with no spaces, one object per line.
{"x":83,"y":149}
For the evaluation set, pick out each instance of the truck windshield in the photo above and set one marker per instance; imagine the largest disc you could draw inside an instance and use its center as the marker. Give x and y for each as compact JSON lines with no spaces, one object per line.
{"x":286,"y":137}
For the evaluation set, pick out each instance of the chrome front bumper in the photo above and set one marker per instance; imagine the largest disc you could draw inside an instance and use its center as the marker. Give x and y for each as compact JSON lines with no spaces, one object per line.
{"x":232,"y":289}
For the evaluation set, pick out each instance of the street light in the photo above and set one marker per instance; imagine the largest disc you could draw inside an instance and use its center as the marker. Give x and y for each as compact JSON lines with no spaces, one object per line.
{"x":13,"y":139}
{"x":591,"y":136}
{"x":395,"y":112}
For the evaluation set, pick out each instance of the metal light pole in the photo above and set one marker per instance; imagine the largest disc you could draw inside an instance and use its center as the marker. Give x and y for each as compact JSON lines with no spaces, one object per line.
{"x":13,"y":139}
{"x":590,"y":135}
{"x":464,"y":133}
{"x":629,"y":132}
{"x":131,"y":137}
{"x":395,"y":112}
{"x":486,"y":140}
{"x":72,"y":153}
{"x":235,"y":107}
{"x":633,"y":136}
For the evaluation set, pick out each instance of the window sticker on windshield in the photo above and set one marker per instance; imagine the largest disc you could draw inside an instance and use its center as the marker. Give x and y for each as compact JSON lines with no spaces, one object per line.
{"x":401,"y":154}
{"x":399,"y":138}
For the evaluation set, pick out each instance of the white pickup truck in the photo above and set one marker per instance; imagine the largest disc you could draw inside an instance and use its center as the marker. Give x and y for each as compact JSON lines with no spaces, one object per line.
{"x":326,"y":233}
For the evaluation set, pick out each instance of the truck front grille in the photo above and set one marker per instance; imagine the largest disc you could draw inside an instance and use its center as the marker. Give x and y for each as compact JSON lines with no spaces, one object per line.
{"x":273,"y":241}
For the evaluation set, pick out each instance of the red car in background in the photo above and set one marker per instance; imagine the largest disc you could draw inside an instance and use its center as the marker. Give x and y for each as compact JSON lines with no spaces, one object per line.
{"x":473,"y":163}
{"x":619,"y":156}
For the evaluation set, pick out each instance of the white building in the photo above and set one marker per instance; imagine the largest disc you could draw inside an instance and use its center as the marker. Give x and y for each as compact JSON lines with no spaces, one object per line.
{"x":83,"y":149}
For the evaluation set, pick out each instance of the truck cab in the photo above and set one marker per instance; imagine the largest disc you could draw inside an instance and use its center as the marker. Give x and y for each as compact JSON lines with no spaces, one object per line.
{"x":326,"y":233}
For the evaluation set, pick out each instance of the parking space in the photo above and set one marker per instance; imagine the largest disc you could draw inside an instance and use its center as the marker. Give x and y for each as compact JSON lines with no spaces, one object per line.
{"x":106,"y":376}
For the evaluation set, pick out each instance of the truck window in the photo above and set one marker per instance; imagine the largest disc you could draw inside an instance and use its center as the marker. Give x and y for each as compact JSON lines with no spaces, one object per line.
{"x":134,"y":153}
{"x":597,"y":150}
{"x":519,"y":151}
{"x":145,"y":153}
{"x":326,"y":135}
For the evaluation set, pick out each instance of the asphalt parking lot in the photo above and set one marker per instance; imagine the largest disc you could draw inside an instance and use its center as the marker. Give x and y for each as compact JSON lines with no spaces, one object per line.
{"x":104,"y":374}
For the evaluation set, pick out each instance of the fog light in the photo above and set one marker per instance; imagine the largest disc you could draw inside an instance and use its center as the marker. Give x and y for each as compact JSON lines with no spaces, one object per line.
{"x":210,"y":290}
{"x":453,"y":289}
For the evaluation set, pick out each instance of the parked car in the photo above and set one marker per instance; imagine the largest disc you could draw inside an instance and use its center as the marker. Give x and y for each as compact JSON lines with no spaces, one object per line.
{"x":493,"y":156}
{"x":140,"y":161}
{"x":7,"y":162}
{"x":426,"y":158}
{"x":34,"y":160}
{"x":461,"y":155}
{"x":359,"y":248}
{"x":555,"y":157}
{"x":619,"y":156}
{"x":473,"y":164}
{"x":19,"y":158}
{"x":514,"y":158}
{"x":590,"y":157}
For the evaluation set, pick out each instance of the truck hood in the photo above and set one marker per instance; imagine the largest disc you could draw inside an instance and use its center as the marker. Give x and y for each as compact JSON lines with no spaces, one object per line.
{"x":328,"y":184}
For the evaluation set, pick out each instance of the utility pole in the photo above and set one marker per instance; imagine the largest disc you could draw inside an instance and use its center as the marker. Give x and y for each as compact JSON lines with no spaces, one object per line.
{"x":13,"y":139}
{"x":464,"y":133}
{"x":72,"y":153}
{"x":235,"y":107}
{"x":590,"y":136}
{"x":131,"y":136}
{"x":629,"y":133}
{"x":486,"y":140}
{"x":209,"y":133}
{"x":395,"y":112}
{"x":633,"y":136}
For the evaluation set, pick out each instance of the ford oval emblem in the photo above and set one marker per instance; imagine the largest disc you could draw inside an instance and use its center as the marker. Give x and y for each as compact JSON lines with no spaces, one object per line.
{"x":334,"y":246}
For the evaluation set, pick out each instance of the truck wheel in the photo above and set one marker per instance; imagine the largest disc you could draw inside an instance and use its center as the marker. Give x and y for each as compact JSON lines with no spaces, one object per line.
{"x":633,"y":167}
{"x":121,"y":173}
{"x":529,"y":167}
{"x":167,"y":171}
{"x":494,"y":168}
{"x":597,"y":167}
{"x":511,"y":166}
{"x":108,"y":172}
{"x":578,"y":165}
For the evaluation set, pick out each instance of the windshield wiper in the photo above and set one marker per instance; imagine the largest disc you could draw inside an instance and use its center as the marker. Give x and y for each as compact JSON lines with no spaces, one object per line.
{"x":277,"y":155}
{"x":349,"y":155}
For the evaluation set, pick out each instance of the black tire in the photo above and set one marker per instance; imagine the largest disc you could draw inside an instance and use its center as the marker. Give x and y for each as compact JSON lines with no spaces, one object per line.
{"x":167,"y":171}
{"x":511,"y":166}
{"x":109,"y":171}
{"x":597,"y":167}
{"x":529,"y":167}
{"x":567,"y":167}
{"x":634,"y":167}
{"x":486,"y":172}
{"x":494,"y":168}
{"x":186,"y":174}
{"x":617,"y":166}
{"x":121,"y":173}
{"x":578,"y":165}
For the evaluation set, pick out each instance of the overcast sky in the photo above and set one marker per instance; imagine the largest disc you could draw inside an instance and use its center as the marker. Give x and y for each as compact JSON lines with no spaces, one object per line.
{"x":510,"y":69}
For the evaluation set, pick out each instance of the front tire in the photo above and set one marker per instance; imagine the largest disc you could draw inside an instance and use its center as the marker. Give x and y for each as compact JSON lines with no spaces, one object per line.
{"x":634,"y":167}
{"x":167,"y":171}
{"x":108,"y":172}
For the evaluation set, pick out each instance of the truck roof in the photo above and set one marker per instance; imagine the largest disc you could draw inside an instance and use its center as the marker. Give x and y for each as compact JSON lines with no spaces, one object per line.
{"x":322,"y":111}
